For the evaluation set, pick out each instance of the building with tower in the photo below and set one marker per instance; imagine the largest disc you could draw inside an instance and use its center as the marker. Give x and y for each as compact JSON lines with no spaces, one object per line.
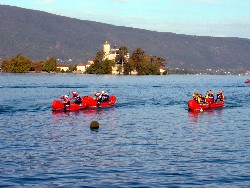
{"x":109,"y":53}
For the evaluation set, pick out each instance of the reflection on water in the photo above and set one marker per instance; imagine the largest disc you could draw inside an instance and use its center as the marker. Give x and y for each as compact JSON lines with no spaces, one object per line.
{"x":197,"y":116}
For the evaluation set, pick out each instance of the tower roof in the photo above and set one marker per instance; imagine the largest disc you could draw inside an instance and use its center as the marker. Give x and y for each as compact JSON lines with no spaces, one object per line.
{"x":106,"y":42}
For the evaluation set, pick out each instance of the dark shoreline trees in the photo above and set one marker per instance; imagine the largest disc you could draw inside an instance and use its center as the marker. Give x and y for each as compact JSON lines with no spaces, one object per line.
{"x":139,"y":62}
{"x":22,"y":64}
{"x":143,"y":63}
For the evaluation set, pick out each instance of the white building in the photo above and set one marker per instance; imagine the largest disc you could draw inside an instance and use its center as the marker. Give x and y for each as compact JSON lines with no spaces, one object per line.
{"x":110,"y":54}
{"x":81,"y":68}
{"x":63,"y":67}
{"x":90,"y":62}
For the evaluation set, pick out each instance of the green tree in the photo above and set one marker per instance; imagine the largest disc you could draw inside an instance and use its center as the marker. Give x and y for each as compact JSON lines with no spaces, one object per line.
{"x":104,"y":67}
{"x":121,"y":56}
{"x":138,"y":59}
{"x":36,"y":66}
{"x":5,"y":65}
{"x":129,"y":67}
{"x":120,"y":69}
{"x":49,"y":65}
{"x":143,"y":63}
{"x":20,"y":64}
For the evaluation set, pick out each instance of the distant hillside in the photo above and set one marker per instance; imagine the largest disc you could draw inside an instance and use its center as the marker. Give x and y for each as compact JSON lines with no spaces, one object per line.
{"x":39,"y":35}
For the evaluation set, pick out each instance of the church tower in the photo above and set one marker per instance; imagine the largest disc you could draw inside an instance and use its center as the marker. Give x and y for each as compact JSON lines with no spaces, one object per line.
{"x":106,"y":48}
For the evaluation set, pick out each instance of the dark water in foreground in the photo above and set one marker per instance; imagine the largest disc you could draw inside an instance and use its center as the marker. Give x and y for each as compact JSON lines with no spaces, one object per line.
{"x":149,"y":139}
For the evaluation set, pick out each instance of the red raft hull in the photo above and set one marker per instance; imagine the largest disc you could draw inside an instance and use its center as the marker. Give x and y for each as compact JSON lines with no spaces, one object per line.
{"x":59,"y":106}
{"x":247,"y":81}
{"x":91,"y":102}
{"x":194,"y":106}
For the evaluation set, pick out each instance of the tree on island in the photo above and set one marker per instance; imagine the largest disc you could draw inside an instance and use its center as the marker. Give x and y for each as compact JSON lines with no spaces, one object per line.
{"x":139,"y":61}
{"x":143,"y":63}
{"x":49,"y":65}
{"x":100,"y":66}
{"x":20,"y":64}
{"x":5,"y":65}
{"x":121,"y":58}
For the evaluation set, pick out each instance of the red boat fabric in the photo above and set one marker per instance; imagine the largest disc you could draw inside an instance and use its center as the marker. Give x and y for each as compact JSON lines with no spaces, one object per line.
{"x":59,"y":106}
{"x":194,"y":106}
{"x":247,"y":81}
{"x":91,"y":102}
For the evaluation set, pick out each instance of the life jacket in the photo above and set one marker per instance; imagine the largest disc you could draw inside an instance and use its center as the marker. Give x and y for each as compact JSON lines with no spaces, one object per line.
{"x":201,"y":99}
{"x":77,"y":98}
{"x":210,"y":96}
{"x":105,"y":97}
{"x":220,"y":97}
{"x":66,"y":100}
{"x":98,"y":97}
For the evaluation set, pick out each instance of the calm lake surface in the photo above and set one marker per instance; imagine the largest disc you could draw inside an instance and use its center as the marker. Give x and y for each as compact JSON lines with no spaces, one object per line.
{"x":149,"y":139}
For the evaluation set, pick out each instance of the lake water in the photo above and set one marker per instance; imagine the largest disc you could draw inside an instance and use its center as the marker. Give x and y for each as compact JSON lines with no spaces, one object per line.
{"x":148,"y":139}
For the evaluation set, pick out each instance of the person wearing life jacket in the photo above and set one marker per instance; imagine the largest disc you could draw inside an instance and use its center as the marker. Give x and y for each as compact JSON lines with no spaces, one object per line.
{"x":66,"y":101}
{"x":220,"y":96}
{"x":210,"y":96}
{"x":195,"y":96}
{"x":105,"y":96}
{"x":97,"y":96}
{"x":76,"y":96}
{"x":201,"y":99}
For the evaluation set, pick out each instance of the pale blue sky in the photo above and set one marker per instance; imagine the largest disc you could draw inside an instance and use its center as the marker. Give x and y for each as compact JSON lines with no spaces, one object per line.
{"x":224,"y":18}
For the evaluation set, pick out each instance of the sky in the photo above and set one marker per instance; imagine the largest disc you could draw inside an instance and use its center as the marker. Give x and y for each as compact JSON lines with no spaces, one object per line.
{"x":218,"y":18}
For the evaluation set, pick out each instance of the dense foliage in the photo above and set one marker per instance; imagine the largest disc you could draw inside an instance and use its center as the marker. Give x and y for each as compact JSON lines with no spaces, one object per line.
{"x":100,"y":66}
{"x":22,"y":64}
{"x":49,"y":65}
{"x":139,"y":61}
{"x":143,"y":63}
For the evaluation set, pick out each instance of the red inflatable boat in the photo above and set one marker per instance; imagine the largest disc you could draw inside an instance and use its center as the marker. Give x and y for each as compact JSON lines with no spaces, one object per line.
{"x":195,"y":106}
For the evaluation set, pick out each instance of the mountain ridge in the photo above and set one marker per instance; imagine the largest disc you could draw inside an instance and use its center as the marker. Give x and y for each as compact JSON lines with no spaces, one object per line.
{"x":38,"y":35}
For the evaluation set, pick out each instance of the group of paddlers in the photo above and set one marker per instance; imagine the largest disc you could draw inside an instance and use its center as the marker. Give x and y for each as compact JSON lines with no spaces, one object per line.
{"x":209,"y":98}
{"x":98,"y":96}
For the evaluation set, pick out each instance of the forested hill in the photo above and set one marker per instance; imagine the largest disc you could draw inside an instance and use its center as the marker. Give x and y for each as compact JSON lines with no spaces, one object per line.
{"x":39,"y":35}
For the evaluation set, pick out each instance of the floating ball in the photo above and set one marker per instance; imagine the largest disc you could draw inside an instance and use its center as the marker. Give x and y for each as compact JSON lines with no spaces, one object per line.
{"x":94,"y":125}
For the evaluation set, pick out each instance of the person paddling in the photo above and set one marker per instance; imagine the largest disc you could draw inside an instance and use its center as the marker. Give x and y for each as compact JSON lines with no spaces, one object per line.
{"x":66,"y":101}
{"x":210,"y":96}
{"x":220,"y":96}
{"x":76,"y":96}
{"x":105,"y":96}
